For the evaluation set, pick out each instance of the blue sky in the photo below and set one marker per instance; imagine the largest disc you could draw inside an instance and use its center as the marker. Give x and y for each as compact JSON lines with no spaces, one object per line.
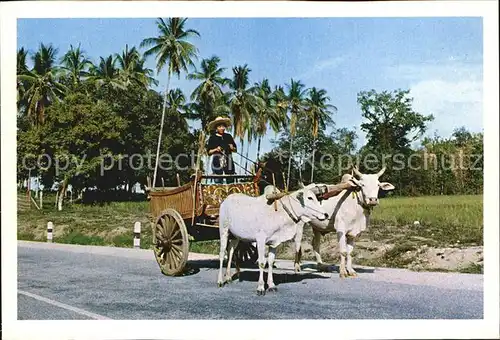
{"x":438,"y":59}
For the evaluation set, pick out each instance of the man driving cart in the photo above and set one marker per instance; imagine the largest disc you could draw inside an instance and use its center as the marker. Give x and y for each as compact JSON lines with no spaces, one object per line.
{"x":220,"y":146}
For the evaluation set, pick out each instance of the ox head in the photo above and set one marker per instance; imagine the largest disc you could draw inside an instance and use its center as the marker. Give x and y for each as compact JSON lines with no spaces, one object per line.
{"x":369,"y":186}
{"x":307,"y":206}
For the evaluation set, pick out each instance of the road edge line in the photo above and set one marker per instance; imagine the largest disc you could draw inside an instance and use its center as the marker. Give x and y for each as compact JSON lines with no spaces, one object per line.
{"x":63,"y":305}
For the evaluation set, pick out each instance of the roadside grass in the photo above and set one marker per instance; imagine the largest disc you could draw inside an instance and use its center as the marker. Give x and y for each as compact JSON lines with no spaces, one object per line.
{"x":205,"y":247}
{"x":472,"y":268}
{"x":110,"y":224}
{"x":443,"y":221}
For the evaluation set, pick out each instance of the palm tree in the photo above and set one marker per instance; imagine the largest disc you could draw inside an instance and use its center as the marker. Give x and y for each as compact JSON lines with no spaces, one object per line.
{"x":250,"y":130}
{"x":197,"y":110}
{"x":75,"y":64}
{"x":172,"y":48}
{"x":279,"y":119}
{"x":21,"y":61}
{"x":244,"y":104}
{"x":177,"y":106}
{"x":22,"y":68}
{"x":106,"y":73}
{"x":296,"y":100}
{"x":132,"y":70}
{"x":42,"y":84}
{"x":266,"y":113}
{"x":318,"y":112}
{"x":209,"y":93}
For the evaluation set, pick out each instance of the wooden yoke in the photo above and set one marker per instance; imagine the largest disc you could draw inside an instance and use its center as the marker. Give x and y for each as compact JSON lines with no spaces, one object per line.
{"x":336,"y":189}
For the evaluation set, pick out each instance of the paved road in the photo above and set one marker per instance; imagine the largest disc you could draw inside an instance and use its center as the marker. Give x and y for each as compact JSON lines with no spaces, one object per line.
{"x":83,"y":282}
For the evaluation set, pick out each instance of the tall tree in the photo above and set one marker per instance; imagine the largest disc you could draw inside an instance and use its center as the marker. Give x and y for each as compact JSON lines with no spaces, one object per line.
{"x":172,"y":49}
{"x":244,"y":104}
{"x":132,"y":70}
{"x":391,"y":123}
{"x":106,"y":73}
{"x":78,"y":126}
{"x":319,"y":114}
{"x":76,"y":64}
{"x":22,"y":69}
{"x":42,"y":84}
{"x":279,"y":119}
{"x":296,"y":105}
{"x":265,"y":113}
{"x":210,"y":90}
{"x":177,"y":106}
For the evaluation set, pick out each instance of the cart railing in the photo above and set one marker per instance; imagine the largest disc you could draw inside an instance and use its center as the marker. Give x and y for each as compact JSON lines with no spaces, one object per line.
{"x":178,"y":198}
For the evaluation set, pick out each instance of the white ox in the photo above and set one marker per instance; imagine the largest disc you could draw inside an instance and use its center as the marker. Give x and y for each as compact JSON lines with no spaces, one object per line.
{"x":349,"y":214}
{"x":254,"y":219}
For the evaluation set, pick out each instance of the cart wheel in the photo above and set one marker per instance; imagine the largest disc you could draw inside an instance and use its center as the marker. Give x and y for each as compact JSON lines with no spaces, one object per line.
{"x":171,"y":244}
{"x":246,"y":253}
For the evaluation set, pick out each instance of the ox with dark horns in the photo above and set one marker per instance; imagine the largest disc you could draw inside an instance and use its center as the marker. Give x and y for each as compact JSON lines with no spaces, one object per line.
{"x":349,"y":212}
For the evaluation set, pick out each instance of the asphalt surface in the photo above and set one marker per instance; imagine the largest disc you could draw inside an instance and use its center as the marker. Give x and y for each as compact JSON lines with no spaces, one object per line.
{"x":63,"y":282}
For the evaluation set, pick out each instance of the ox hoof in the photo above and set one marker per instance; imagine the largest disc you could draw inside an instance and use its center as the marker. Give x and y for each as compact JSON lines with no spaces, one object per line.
{"x":297,"y":268}
{"x":229,"y":279}
{"x":220,"y":284}
{"x":343,"y":275}
{"x":272,"y":289}
{"x":261,"y":291}
{"x":352,"y":274}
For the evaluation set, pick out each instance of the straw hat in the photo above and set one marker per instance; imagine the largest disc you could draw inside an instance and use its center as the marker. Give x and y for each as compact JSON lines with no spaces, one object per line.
{"x":217,"y":121}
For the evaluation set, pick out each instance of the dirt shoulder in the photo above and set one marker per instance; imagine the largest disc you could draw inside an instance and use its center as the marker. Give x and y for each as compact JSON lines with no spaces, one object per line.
{"x":396,"y":250}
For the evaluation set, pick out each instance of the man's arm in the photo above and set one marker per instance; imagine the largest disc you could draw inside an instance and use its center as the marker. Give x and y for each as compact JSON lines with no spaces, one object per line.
{"x":232,"y":144}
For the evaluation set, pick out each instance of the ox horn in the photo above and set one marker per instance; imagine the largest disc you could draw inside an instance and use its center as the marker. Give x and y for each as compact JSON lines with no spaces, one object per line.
{"x":301,"y":185}
{"x":356,"y":171}
{"x":381,"y":172}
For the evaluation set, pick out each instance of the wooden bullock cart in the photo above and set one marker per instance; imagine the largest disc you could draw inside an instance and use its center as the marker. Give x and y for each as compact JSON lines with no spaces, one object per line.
{"x":190,"y":212}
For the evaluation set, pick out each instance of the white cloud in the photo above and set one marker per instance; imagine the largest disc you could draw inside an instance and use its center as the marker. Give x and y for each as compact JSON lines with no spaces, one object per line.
{"x":328,"y":64}
{"x":323,"y":65}
{"x":451,"y":90}
{"x":453,"y":104}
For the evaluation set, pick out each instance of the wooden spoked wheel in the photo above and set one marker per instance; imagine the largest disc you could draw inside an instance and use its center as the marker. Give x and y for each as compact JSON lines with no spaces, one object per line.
{"x":246,"y":253}
{"x":171,"y":243}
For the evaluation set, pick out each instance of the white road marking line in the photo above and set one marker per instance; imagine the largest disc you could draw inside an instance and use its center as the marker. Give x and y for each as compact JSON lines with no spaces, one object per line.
{"x":65,"y":306}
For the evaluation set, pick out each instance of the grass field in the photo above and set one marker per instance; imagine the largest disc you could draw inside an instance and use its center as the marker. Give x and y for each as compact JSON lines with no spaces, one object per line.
{"x":444,"y":221}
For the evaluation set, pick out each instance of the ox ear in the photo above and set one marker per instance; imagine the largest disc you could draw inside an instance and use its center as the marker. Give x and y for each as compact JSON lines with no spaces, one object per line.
{"x":300,"y":197}
{"x":386,"y":186}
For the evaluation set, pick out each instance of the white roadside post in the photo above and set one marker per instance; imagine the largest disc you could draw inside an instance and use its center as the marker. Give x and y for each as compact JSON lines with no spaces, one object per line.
{"x":50,"y":229}
{"x":137,"y":235}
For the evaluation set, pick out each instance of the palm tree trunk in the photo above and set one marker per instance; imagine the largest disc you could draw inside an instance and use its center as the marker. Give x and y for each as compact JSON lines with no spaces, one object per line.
{"x":258,"y":148}
{"x":241,"y":158}
{"x":161,"y":130}
{"x":301,"y":159}
{"x":246,"y":159}
{"x":312,"y":164}
{"x":289,"y":161}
